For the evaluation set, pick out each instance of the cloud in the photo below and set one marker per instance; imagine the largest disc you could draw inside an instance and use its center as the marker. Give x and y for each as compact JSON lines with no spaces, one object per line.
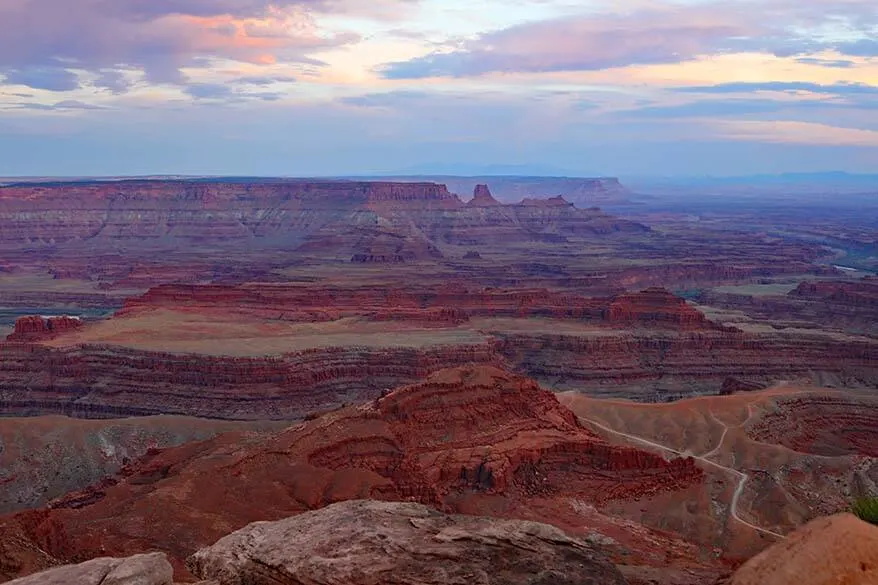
{"x":228,"y":93}
{"x":836,"y":63}
{"x":390,"y":99}
{"x":662,"y":33}
{"x":840,"y":89}
{"x":65,"y":105}
{"x":43,"y":41}
{"x":49,"y":78}
{"x":264,"y":79}
{"x":115,"y":81}
{"x":209,"y":91}
{"x":793,"y":132}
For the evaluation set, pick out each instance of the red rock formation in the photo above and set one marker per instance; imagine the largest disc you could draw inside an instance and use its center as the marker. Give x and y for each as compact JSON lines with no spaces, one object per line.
{"x":482,"y":198}
{"x":280,"y":213}
{"x":733,"y":385}
{"x":848,"y":305}
{"x":35,"y":328}
{"x":465,"y":439}
{"x":95,"y":381}
{"x":680,"y":363}
{"x":655,"y":306}
{"x":839,"y":550}
{"x":830,"y":426}
{"x":862,"y":293}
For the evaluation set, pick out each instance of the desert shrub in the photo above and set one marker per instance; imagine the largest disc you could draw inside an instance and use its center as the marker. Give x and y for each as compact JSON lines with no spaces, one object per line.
{"x":866,"y":509}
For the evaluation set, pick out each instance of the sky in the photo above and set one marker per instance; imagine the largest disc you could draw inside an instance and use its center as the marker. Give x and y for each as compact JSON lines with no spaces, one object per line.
{"x":347,"y":87}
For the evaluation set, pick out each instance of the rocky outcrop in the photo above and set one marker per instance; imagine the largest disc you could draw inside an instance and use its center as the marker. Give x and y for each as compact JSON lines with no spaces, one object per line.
{"x":848,"y":305}
{"x":652,"y":308}
{"x":44,"y":458}
{"x":482,"y":198}
{"x":37,"y":328}
{"x":171,"y":214}
{"x":144,"y":569}
{"x":101,"y":381}
{"x":862,"y":293}
{"x":829,"y":426}
{"x":733,"y":385}
{"x":686,"y":363}
{"x":348,"y":544}
{"x":828,"y":551}
{"x":429,"y":442}
{"x":655,"y":306}
{"x":585,"y":191}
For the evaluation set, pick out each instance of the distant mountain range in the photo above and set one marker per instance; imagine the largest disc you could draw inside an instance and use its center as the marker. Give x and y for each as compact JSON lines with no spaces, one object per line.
{"x":834,"y":181}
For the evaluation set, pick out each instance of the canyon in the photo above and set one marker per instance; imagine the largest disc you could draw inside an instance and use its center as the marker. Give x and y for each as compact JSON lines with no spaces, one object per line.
{"x":426,"y":443}
{"x":677,"y":388}
{"x":283,"y":352}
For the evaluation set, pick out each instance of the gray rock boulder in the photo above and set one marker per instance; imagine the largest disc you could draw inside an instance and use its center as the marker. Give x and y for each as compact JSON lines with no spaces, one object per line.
{"x":385,"y":543}
{"x":148,"y":569}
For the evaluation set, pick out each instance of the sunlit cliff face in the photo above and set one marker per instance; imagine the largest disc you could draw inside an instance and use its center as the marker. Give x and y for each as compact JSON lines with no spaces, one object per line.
{"x":338,"y":86}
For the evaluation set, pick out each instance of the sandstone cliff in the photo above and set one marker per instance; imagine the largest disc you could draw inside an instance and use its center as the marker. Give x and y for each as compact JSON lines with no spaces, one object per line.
{"x":174,"y":213}
{"x":100,"y":381}
{"x":36,"y":328}
{"x":430,"y":443}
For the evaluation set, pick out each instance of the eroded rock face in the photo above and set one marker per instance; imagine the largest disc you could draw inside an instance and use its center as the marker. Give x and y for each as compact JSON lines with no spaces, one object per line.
{"x":145,"y":569}
{"x":382,"y":543}
{"x":655,"y":306}
{"x":475,"y":439}
{"x":837,"y":550}
{"x":97,"y":381}
{"x":37,"y":328}
{"x":830,"y":426}
{"x":482,"y":197}
{"x":170,"y":214}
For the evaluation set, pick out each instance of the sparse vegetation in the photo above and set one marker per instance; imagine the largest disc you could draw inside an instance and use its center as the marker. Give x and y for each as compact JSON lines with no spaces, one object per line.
{"x":866,"y":509}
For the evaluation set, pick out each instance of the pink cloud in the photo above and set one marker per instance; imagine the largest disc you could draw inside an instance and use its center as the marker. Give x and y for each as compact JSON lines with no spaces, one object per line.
{"x":662,"y":33}
{"x":158,"y":37}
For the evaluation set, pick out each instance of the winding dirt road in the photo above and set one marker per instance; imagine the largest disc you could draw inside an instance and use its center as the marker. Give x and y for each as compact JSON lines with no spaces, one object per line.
{"x":742,"y":477}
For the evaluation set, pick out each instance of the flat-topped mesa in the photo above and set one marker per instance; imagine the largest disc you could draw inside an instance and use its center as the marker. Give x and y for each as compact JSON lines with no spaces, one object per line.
{"x":861,"y":293}
{"x":482,"y":198}
{"x":205,"y":191}
{"x":656,"y":307}
{"x":557,"y":201}
{"x":37,"y":328}
{"x":411,"y":192}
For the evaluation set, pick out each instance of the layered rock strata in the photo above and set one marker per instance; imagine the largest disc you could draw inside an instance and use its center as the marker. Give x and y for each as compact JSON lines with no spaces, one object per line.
{"x":427,"y":443}
{"x":37,"y":328}
{"x":110,"y":381}
{"x":280,"y":213}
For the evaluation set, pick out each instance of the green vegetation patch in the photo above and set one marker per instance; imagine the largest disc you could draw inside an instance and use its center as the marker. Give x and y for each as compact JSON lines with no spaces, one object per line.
{"x":866,"y":509}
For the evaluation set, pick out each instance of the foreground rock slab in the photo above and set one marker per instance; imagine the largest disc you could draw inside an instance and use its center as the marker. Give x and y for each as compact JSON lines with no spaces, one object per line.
{"x":148,"y":569}
{"x":366,"y":542}
{"x":836,"y":550}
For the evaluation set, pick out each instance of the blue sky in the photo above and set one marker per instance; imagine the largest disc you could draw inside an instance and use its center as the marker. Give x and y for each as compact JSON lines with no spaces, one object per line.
{"x":322,"y":87}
